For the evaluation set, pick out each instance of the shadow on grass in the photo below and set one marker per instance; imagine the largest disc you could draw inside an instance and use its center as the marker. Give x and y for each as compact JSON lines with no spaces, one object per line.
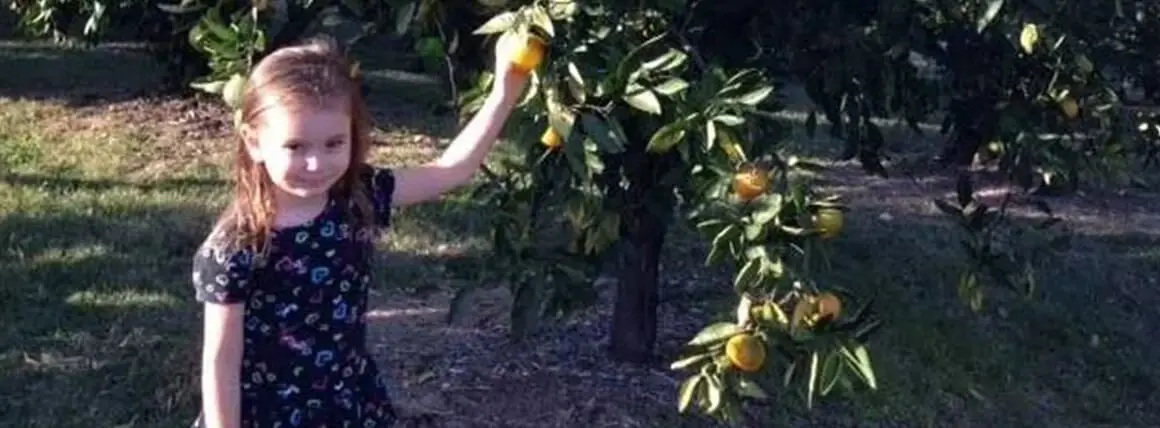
{"x":76,"y":76}
{"x":98,"y":326}
{"x":68,"y":184}
{"x":117,"y":72}
{"x":1079,"y":354}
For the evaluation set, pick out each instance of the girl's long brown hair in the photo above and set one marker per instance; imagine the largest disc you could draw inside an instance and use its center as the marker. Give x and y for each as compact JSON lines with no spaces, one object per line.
{"x":311,"y":74}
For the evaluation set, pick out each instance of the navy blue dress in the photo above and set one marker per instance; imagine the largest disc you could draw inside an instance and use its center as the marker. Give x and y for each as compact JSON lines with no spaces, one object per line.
{"x":305,"y":362}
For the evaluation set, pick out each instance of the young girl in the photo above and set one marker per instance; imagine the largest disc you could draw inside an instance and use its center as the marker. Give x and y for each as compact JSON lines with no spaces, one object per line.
{"x":283,"y":276}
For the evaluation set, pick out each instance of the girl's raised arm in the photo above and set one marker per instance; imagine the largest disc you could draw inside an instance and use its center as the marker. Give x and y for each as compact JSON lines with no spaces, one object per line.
{"x":467,"y":151}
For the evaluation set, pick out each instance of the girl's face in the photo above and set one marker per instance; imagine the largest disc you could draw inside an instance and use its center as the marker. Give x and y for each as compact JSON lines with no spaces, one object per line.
{"x":306,"y":150}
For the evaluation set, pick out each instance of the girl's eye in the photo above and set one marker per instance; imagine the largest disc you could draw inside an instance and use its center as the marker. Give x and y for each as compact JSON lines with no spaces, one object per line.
{"x":334,"y":144}
{"x":292,"y":146}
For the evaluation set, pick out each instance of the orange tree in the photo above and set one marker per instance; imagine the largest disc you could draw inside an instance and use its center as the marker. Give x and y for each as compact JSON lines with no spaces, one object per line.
{"x":625,"y":129}
{"x":645,"y":113}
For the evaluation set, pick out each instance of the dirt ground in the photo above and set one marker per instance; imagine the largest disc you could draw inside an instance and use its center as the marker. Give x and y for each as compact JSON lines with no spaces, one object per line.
{"x":468,"y":374}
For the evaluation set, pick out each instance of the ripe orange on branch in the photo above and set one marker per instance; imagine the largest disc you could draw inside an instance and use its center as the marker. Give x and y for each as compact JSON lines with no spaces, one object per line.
{"x":551,"y":139}
{"x":525,"y":50}
{"x":829,"y":306}
{"x":746,"y":352}
{"x":750,"y":183}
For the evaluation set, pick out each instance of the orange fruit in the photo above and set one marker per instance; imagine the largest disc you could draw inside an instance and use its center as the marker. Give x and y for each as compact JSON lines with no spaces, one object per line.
{"x":527,"y":52}
{"x":746,"y":352}
{"x":750,"y":184}
{"x":829,"y":222}
{"x":551,"y":139}
{"x":829,"y":306}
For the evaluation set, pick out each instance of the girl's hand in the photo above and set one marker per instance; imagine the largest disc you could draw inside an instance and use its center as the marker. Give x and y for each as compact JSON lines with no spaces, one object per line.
{"x":516,"y":56}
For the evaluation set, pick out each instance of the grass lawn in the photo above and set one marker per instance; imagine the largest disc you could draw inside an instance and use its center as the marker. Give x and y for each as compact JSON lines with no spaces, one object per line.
{"x":103,"y":197}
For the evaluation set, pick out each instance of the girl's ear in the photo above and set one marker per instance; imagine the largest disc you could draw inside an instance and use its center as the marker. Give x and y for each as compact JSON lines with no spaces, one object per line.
{"x":250,"y":139}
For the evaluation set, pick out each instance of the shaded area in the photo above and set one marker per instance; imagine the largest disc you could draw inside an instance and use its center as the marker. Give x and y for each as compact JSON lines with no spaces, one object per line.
{"x":113,"y":73}
{"x":1018,"y":362}
{"x":92,"y":315}
{"x":98,"y":327}
{"x":97,"y":322}
{"x":60,"y":183}
{"x":76,"y":76}
{"x":1078,"y":355}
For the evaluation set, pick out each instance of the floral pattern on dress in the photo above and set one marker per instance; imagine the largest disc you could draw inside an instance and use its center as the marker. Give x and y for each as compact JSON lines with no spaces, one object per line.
{"x":305,"y":362}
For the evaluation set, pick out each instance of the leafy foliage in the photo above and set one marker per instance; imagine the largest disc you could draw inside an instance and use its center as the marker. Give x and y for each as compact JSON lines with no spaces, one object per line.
{"x":664,"y":111}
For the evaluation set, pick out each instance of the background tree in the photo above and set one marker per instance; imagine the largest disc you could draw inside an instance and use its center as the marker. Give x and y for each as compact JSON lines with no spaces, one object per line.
{"x":647,"y":113}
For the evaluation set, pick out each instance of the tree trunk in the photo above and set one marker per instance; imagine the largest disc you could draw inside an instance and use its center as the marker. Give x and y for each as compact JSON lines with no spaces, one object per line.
{"x":634,"y":316}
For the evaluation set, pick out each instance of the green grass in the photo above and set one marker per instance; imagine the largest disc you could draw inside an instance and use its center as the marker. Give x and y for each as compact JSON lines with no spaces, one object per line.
{"x":98,"y":326}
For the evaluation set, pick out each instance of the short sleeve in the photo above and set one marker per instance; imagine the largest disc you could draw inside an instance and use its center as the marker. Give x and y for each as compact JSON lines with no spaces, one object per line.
{"x":222,"y":276}
{"x":380,"y":184}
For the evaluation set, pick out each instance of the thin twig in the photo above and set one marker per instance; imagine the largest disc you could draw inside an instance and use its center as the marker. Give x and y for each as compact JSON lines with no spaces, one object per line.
{"x":679,"y":33}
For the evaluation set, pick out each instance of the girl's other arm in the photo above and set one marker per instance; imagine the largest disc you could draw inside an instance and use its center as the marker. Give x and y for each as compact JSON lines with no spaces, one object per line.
{"x":221,"y":361}
{"x":463,"y":157}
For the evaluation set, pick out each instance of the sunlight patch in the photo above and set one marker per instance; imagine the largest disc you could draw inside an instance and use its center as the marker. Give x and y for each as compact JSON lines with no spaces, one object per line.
{"x":121,"y":299}
{"x":382,"y":314}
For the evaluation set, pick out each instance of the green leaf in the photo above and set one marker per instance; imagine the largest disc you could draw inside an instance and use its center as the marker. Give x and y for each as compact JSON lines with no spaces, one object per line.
{"x":1085,"y":65}
{"x":773,"y":267}
{"x":728,"y":233}
{"x":989,"y":15}
{"x":541,"y":19}
{"x":667,"y":61}
{"x":710,"y":224}
{"x":831,"y":372}
{"x":747,"y":274}
{"x":404,"y":17}
{"x":755,"y":97}
{"x":714,"y":393}
{"x":756,"y":252}
{"x":767,"y":208}
{"x":688,"y":390}
{"x":690,"y":361}
{"x":671,"y":86}
{"x":710,"y":134}
{"x":729,"y":120}
{"x":715,"y":332}
{"x":666,"y":137}
{"x":813,"y":380}
{"x":233,"y":90}
{"x":559,"y":116}
{"x":643,"y":99}
{"x":562,"y":9}
{"x":721,"y":243}
{"x":749,"y":388}
{"x":1028,"y":38}
{"x":593,"y":161}
{"x":859,"y":360}
{"x":576,"y":83}
{"x":497,"y":24}
{"x":601,"y":133}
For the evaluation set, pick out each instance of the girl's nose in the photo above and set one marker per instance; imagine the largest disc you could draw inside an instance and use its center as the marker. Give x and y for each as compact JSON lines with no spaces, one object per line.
{"x":312,"y":163}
